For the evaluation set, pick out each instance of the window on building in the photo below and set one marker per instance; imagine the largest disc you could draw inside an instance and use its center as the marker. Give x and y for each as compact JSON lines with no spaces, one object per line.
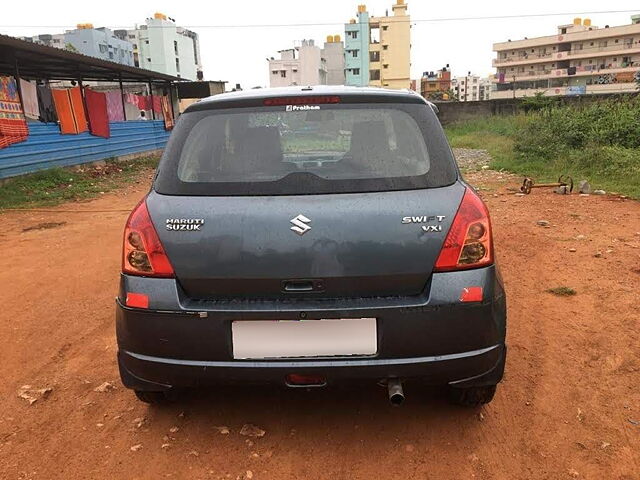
{"x":135,"y":46}
{"x":617,"y":40}
{"x":374,"y":56}
{"x":177,"y":64}
{"x":374,"y":75}
{"x":146,"y":42}
{"x":385,"y":27}
{"x":354,"y":53}
{"x":354,"y":35}
{"x":356,"y":71}
{"x":149,"y":59}
{"x":563,"y":30}
{"x":274,"y":72}
{"x":385,"y":47}
{"x":283,"y":73}
{"x":175,"y":47}
{"x":102,"y":48}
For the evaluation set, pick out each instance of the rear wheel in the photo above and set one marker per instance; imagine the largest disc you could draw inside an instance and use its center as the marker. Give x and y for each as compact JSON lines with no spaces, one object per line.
{"x":472,"y":396}
{"x":153,"y":398}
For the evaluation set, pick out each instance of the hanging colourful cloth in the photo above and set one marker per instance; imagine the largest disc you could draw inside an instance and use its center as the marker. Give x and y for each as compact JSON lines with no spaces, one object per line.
{"x":29,"y":99}
{"x":70,"y":110}
{"x":13,"y":125}
{"x":143,"y":102}
{"x":97,"y":111}
{"x":45,"y":103}
{"x":131,"y":98}
{"x":157,"y":104}
{"x":167,"y":113}
{"x":115,"y":111}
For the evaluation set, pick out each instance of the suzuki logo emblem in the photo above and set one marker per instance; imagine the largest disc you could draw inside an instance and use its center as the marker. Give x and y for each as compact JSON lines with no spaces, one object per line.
{"x":300,"y":224}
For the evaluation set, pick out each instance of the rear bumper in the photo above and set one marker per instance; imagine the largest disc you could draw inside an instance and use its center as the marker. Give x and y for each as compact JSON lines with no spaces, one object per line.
{"x":480,"y":367}
{"x":180,"y":343}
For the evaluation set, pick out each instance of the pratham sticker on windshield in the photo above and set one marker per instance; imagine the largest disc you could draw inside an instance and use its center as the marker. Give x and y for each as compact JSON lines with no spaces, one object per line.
{"x":298,"y":108}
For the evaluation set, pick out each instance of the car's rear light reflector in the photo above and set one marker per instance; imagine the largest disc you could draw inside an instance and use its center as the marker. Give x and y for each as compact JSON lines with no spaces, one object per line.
{"x":142,"y":252}
{"x":303,"y":100}
{"x":137,"y":300}
{"x":471,"y":294}
{"x":469,"y":242}
{"x":296,"y":379}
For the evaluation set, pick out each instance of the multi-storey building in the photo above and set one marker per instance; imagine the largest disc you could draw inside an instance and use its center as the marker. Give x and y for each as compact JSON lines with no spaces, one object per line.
{"x":378,"y":49}
{"x":356,"y":49}
{"x":472,"y":88}
{"x":301,"y":65}
{"x":94,"y":42}
{"x":333,"y":54}
{"x":436,"y":85}
{"x":162,"y":46}
{"x":579,"y":59}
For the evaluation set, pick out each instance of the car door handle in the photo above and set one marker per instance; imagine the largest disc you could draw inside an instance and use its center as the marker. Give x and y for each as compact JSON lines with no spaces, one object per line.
{"x":298,"y":286}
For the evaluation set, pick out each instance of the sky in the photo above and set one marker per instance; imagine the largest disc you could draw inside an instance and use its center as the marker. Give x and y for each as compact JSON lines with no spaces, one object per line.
{"x":239,"y":55}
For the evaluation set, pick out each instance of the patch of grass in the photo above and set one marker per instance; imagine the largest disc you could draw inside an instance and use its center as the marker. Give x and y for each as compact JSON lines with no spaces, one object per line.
{"x":58,"y":185}
{"x":563,"y":141}
{"x":562,"y":291}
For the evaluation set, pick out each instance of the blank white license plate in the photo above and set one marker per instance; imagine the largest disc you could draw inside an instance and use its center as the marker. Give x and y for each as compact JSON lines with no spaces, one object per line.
{"x":304,"y":338}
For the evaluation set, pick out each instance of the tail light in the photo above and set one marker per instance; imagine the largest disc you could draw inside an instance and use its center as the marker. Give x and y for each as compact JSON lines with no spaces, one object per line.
{"x":468,"y":243}
{"x":142,"y":252}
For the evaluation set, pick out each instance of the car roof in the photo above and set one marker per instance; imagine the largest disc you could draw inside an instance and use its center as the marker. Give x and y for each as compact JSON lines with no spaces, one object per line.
{"x":264,"y":93}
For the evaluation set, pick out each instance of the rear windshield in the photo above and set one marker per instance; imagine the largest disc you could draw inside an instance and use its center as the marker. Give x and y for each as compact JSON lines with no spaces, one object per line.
{"x":306,"y":150}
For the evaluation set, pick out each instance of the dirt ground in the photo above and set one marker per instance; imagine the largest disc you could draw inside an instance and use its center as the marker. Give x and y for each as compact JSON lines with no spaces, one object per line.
{"x":569,"y":406}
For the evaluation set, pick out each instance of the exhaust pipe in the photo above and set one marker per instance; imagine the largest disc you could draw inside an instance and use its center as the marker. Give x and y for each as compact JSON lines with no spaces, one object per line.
{"x":396,"y":395}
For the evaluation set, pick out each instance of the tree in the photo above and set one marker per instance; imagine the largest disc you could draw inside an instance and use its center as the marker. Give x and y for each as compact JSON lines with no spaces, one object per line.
{"x":539,"y":101}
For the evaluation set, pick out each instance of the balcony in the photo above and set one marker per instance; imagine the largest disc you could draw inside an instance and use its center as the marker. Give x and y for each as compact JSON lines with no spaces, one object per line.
{"x":522,"y":59}
{"x":589,"y":52}
{"x":584,"y":71}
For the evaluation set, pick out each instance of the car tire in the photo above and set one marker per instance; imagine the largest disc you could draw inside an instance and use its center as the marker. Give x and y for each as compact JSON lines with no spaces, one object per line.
{"x":152,"y":398}
{"x":472,"y":396}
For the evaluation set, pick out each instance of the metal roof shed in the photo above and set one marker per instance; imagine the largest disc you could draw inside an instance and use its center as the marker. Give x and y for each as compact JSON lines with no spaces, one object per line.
{"x":45,"y":147}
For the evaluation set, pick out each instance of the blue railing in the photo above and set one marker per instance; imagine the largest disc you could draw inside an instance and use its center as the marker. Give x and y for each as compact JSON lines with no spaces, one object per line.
{"x":46,"y":147}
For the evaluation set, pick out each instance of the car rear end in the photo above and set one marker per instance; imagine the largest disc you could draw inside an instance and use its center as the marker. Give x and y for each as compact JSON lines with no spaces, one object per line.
{"x":306,"y":237}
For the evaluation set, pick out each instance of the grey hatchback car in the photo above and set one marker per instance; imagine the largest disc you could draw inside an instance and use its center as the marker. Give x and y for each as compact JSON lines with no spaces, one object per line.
{"x":305,"y":237}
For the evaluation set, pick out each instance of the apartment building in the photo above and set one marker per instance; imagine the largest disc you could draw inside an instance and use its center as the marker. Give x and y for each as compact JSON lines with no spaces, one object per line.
{"x":356,"y":49}
{"x":301,"y":65}
{"x":333,"y":54}
{"x":579,"y":59}
{"x":436,"y":85}
{"x":95,"y":42}
{"x":378,"y":49}
{"x":162,"y":46}
{"x":472,"y":88}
